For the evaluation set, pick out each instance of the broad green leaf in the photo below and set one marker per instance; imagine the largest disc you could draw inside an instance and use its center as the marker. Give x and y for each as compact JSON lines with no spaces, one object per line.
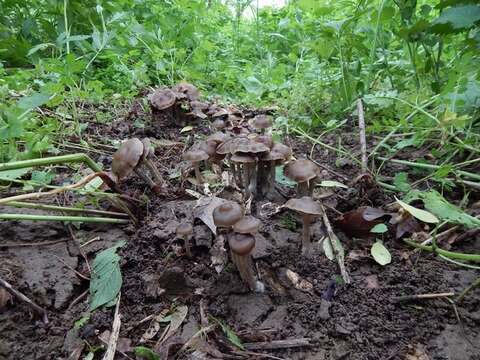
{"x":253,"y":86}
{"x":282,"y":179}
{"x":437,"y":204}
{"x":420,"y":214}
{"x":381,"y":254}
{"x":145,"y":353}
{"x":401,"y":182}
{"x":456,"y":18}
{"x":106,"y":277}
{"x":231,"y":336}
{"x":333,"y":183}
{"x":379,"y":229}
{"x":327,"y":249}
{"x":35,"y":100}
{"x":39,"y":47}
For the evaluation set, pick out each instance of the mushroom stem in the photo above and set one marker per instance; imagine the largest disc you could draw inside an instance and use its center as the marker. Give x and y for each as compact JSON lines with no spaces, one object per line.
{"x":153,"y":169}
{"x":306,"y":241}
{"x":244,"y":266}
{"x":303,"y":189}
{"x":188,"y":248}
{"x":198,"y":175}
{"x":144,"y":177}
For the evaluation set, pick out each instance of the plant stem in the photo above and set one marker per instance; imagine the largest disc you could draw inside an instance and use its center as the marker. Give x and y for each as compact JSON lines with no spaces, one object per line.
{"x":48,"y":207}
{"x":52,"y":160}
{"x":448,"y":254}
{"x":62,"y":218}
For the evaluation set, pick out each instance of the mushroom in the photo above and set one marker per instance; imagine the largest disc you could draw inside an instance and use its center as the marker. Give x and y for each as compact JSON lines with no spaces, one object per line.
{"x":185,"y":231}
{"x":247,"y":225}
{"x":162,"y":99}
{"x":279,"y":154}
{"x":303,"y":172}
{"x":196,"y":157}
{"x":241,"y":246}
{"x":247,"y":164}
{"x":261,"y":123}
{"x":147,"y":154}
{"x":218,"y":124}
{"x":227,"y":214}
{"x":130,"y":156}
{"x":189,"y":90}
{"x":308,"y":209}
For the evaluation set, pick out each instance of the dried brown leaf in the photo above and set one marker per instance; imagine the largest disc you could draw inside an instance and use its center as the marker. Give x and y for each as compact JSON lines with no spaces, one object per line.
{"x":204,"y":210}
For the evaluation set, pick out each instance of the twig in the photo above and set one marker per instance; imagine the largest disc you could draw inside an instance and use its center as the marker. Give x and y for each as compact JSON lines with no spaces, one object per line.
{"x":90,"y":241}
{"x":47,"y":207}
{"x":43,"y":243}
{"x":86,"y":219}
{"x":112,"y":342}
{"x":336,"y":246}
{"x":259,"y":355}
{"x":422,"y":296}
{"x":42,"y":312}
{"x":80,"y":250}
{"x":469,"y":288}
{"x":363,"y":140}
{"x":278,"y":344}
{"x":79,"y":274}
{"x":78,"y":298}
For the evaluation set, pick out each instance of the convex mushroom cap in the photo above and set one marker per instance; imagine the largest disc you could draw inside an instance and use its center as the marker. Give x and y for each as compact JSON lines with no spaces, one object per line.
{"x":262,"y":122}
{"x":190,"y":91}
{"x":184,"y":229}
{"x":127,"y":157}
{"x":301,"y":170}
{"x":241,"y":244}
{"x":247,"y":225}
{"x":227,"y":214}
{"x":195,"y":155}
{"x":305,"y":205}
{"x":279,"y":152}
{"x":162,"y":99}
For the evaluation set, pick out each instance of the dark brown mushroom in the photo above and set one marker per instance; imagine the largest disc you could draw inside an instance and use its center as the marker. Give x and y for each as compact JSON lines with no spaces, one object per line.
{"x":196,"y":157}
{"x":162,"y":99}
{"x":303,"y":172}
{"x":241,"y":246}
{"x":246,"y":170}
{"x":218,"y":124}
{"x":184,"y":231}
{"x":227,"y":214}
{"x":189,"y":90}
{"x":247,"y":225}
{"x":278,"y":155}
{"x":309,"y":210}
{"x":261,"y":122}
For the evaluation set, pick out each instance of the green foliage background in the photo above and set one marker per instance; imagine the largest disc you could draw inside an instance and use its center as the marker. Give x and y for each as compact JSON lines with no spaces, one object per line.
{"x":414,"y":63}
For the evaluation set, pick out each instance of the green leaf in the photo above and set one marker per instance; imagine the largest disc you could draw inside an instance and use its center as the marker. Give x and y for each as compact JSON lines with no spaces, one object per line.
{"x":437,"y":204}
{"x":401,"y":182}
{"x":420,"y":214}
{"x":8,"y":175}
{"x":106,"y":277}
{"x":282,"y":179}
{"x":231,"y":336}
{"x":379,"y":229}
{"x":457,"y":18}
{"x":381,"y":254}
{"x":35,"y":100}
{"x":333,"y":183}
{"x":145,"y":353}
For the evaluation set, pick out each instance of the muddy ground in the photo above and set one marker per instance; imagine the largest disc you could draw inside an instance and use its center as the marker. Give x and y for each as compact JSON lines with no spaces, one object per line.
{"x":361,"y":320}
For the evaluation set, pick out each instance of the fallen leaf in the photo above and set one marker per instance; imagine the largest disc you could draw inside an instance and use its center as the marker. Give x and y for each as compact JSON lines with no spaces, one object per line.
{"x":123,"y":344}
{"x":203,"y":210}
{"x":355,"y":255}
{"x":176,"y":319}
{"x":372,"y":282}
{"x":332,"y":183}
{"x":154,"y":327}
{"x":218,"y":254}
{"x":420,"y":214}
{"x":359,"y":222}
{"x":416,"y":352}
{"x":380,"y":253}
{"x":298,"y":282}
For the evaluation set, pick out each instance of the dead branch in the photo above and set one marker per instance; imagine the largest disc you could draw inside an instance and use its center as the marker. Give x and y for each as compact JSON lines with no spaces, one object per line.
{"x":278,"y":344}
{"x":422,"y":296}
{"x":363,"y":140}
{"x":42,"y":312}
{"x":112,"y":342}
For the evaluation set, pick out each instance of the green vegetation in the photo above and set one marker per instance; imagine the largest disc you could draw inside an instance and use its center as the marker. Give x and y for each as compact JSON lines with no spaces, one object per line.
{"x":414,"y":64}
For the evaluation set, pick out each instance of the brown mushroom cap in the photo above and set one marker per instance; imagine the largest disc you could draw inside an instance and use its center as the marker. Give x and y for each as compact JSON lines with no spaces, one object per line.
{"x":247,"y":225}
{"x":220,"y":112}
{"x":188,"y":89}
{"x":195,"y":104}
{"x":218,"y":124}
{"x":227,"y":214}
{"x":266,"y":140}
{"x":301,"y":170}
{"x":218,"y":137}
{"x":241,"y":244}
{"x":184,"y":229}
{"x":195,"y":155}
{"x":261,"y":122}
{"x":162,"y":99}
{"x":245,"y":145}
{"x":127,"y":157}
{"x":243,"y":159}
{"x":279,"y":152}
{"x":305,"y":205}
{"x":210,"y":147}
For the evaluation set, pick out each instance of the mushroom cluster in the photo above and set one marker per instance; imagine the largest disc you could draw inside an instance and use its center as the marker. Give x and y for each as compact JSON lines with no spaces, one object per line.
{"x":135,"y":155}
{"x":229,"y":217}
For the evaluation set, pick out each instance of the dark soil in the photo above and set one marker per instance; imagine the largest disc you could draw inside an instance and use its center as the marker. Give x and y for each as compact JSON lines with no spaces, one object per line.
{"x":361,"y":320}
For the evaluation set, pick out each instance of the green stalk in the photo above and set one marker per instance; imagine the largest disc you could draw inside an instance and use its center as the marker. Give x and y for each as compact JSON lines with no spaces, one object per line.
{"x":448,"y":254}
{"x":47,"y":207}
{"x":429,"y":167}
{"x":62,"y":218}
{"x":52,"y":160}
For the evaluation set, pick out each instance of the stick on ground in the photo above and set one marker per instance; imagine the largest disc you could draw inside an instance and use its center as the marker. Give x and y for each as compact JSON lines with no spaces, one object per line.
{"x":363,"y":139}
{"x":278,"y":344}
{"x":112,"y":342}
{"x":42,"y":312}
{"x":423,"y":296}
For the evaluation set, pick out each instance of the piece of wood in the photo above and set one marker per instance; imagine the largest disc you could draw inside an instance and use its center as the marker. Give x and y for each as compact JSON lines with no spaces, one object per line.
{"x":363,"y":139}
{"x":112,"y":342}
{"x":423,"y":296}
{"x":278,"y":344}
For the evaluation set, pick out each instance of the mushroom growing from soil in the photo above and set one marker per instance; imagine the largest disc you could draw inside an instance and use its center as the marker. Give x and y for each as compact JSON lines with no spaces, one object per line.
{"x":241,"y":246}
{"x":278,"y":155}
{"x":245,"y":166}
{"x":303,"y":172}
{"x":309,"y":210}
{"x":196,"y":157}
{"x":247,"y":225}
{"x":185,"y":231}
{"x":130,"y":156}
{"x":261,"y":123}
{"x":227,"y":214}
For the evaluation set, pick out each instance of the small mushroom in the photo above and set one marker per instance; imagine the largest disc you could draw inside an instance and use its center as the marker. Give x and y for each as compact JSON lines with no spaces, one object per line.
{"x":227,"y":214}
{"x":185,"y":231}
{"x":261,"y":122}
{"x":278,"y":154}
{"x":130,"y":156}
{"x":247,"y":164}
{"x":218,"y":124}
{"x":196,"y":157}
{"x":146,"y":159}
{"x":189,"y":90}
{"x":247,"y":225}
{"x":303,"y":172}
{"x":309,"y":210}
{"x":241,"y":246}
{"x":162,"y":99}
